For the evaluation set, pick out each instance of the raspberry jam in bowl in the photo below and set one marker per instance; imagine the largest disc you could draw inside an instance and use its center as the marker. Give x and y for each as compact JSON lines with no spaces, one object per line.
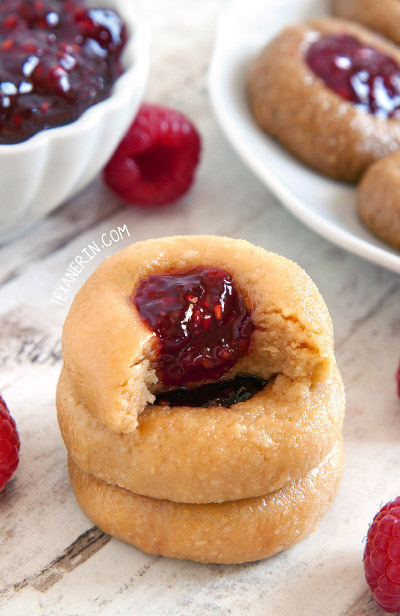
{"x":72,"y":75}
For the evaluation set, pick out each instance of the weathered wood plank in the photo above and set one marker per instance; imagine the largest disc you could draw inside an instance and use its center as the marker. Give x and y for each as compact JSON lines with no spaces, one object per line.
{"x":77,"y":553}
{"x":363,"y":606}
{"x":95,"y":203}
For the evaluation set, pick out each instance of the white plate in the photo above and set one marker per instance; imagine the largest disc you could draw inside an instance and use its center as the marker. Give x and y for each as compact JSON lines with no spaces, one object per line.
{"x":326,"y":206}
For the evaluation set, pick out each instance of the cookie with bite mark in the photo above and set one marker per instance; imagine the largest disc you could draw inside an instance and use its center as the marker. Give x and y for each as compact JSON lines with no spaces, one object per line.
{"x":117,"y":362}
{"x":200,"y":401}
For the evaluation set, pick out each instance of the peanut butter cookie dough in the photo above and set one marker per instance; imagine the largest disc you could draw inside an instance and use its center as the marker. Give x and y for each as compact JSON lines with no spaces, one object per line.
{"x":378,"y":199}
{"x":200,"y":401}
{"x":382,"y":16}
{"x":110,"y":354}
{"x":232,"y":532}
{"x":315,"y":89}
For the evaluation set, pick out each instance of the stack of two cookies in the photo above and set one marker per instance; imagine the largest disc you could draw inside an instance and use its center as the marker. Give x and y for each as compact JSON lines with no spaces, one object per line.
{"x":231,"y":471}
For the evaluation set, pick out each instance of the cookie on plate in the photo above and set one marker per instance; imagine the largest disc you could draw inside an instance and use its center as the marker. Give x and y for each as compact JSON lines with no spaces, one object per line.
{"x":378,"y":199}
{"x":329,"y":91}
{"x":382,"y":15}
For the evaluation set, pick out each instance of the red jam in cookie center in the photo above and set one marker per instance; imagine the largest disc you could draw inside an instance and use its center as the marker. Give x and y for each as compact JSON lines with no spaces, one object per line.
{"x":221,"y":393}
{"x":357,"y":73}
{"x":57,"y":58}
{"x":199,"y":317}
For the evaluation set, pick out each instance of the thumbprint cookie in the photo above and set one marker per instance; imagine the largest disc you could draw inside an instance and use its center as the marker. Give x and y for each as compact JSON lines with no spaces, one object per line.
{"x":329,"y":91}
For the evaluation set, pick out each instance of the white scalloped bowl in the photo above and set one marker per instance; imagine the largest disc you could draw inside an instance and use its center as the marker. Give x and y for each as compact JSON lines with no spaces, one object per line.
{"x":40,"y":173}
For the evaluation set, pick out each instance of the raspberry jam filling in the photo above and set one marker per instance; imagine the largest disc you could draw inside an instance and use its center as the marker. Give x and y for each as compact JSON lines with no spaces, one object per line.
{"x":221,"y":393}
{"x":200,"y":320}
{"x":57,"y":58}
{"x":358,"y":73}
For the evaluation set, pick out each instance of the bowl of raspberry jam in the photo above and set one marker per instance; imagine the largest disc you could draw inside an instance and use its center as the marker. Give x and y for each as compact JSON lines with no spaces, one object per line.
{"x":72,"y":75}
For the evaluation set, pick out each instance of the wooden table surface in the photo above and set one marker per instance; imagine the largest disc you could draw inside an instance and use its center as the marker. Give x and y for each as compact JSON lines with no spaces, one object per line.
{"x":53,"y":561}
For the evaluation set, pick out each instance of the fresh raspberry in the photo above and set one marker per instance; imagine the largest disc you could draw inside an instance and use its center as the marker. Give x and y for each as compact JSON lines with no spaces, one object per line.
{"x":382,"y":557}
{"x":155,"y":162}
{"x":9,"y":445}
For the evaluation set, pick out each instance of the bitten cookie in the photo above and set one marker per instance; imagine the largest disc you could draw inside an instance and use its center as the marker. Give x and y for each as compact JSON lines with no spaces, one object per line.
{"x":378,"y":199}
{"x":113,"y":357}
{"x":232,"y":532}
{"x":382,"y":15}
{"x":329,"y":91}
